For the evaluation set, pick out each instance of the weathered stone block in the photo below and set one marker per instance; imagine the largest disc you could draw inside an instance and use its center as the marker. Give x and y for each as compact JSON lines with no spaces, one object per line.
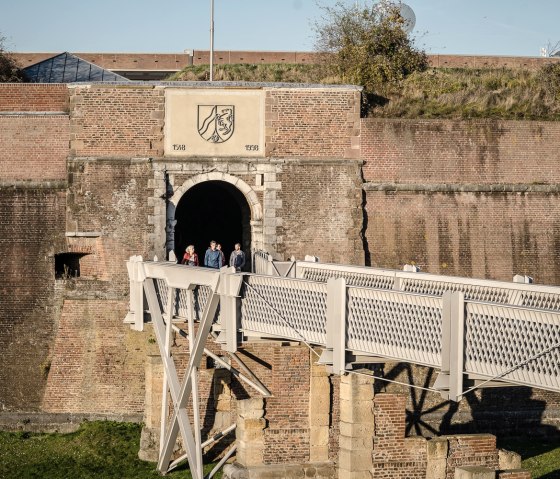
{"x":356,"y":430}
{"x":508,"y":460}
{"x":353,"y":443}
{"x":250,"y":454}
{"x":316,"y":419}
{"x":250,"y":408}
{"x":319,"y":436}
{"x":318,"y":453}
{"x":474,"y":472}
{"x":356,"y":412}
{"x":355,"y":460}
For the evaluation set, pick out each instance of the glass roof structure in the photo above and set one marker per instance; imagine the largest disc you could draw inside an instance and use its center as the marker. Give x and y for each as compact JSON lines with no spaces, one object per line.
{"x":68,"y":68}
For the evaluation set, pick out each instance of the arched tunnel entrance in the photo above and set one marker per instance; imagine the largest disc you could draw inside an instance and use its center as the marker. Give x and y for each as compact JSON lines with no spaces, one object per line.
{"x":213,"y":210}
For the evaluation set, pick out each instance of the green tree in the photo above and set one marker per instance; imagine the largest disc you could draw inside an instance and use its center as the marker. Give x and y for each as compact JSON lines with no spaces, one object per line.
{"x":368,"y":46}
{"x":9,"y":70}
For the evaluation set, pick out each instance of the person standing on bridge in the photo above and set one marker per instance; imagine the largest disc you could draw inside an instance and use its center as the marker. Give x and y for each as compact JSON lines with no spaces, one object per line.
{"x":213,"y":257}
{"x":190,"y":258}
{"x":222,"y":255}
{"x":237,"y":258}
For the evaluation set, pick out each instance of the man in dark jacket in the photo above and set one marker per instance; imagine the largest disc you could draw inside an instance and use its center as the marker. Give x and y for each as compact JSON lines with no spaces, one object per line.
{"x":213,"y":257}
{"x":237,"y":258}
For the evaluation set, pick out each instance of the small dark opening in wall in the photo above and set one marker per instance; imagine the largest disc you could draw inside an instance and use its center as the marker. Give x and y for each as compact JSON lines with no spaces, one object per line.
{"x":67,"y":265}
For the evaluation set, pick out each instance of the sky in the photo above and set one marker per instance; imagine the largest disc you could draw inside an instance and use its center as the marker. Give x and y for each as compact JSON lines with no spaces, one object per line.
{"x":479,"y":27}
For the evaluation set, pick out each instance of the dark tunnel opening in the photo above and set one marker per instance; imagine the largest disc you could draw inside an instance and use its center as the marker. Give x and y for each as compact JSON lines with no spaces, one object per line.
{"x":213,"y":210}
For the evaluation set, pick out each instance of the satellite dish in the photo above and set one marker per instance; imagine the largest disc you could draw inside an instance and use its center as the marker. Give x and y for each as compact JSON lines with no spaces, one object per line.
{"x":406,"y":12}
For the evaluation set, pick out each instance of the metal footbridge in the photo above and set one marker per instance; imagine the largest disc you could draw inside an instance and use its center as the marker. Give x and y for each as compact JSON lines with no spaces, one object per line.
{"x":475,"y":333}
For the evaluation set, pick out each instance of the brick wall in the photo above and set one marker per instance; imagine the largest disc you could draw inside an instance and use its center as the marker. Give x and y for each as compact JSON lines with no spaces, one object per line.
{"x":202,"y":57}
{"x":504,"y":412}
{"x":445,"y":151}
{"x":480,"y":235}
{"x":33,"y":147}
{"x":126,"y":121}
{"x":31,"y":232}
{"x":52,"y":97}
{"x":287,"y":411}
{"x":489,"y":61}
{"x":395,"y":456}
{"x":109,"y":198}
{"x":98,"y":362}
{"x":171,"y":61}
{"x":312,"y":123}
{"x":320,"y":212}
{"x":475,"y":450}
{"x":117,"y":122}
{"x":282,"y":367}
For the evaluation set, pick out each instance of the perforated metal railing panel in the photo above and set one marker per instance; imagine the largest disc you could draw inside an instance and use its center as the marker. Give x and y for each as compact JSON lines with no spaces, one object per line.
{"x":474,"y":292}
{"x":498,"y":338}
{"x":396,"y":325}
{"x":434,"y":285}
{"x":537,"y":299}
{"x":199,"y":297}
{"x":366,"y":280}
{"x":287,"y":308}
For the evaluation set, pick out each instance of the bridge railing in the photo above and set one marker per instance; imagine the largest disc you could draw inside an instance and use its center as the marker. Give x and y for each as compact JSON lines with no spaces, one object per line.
{"x":523,"y":342}
{"x":459,"y":336}
{"x":503,"y":292}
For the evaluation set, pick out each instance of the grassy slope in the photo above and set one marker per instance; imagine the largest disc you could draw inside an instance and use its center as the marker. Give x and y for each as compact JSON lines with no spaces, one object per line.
{"x":435,"y":93}
{"x":97,"y":450}
{"x":109,"y":450}
{"x":541,"y":457}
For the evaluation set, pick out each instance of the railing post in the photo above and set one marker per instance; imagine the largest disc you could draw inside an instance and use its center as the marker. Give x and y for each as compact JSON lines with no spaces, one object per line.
{"x":230,"y":285}
{"x":136,"y":278}
{"x":336,"y":323}
{"x":453,"y":341}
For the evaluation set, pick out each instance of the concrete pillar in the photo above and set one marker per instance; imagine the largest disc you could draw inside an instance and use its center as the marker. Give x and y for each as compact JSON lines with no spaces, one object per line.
{"x":319,"y":410}
{"x":356,"y":427}
{"x":250,"y":432}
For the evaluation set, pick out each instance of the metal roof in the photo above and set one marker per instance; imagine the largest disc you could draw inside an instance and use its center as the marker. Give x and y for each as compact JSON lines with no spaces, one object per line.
{"x":68,"y":68}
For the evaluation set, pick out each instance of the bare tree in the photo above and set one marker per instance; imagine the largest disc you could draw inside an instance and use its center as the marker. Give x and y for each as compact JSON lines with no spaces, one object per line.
{"x":552,"y":49}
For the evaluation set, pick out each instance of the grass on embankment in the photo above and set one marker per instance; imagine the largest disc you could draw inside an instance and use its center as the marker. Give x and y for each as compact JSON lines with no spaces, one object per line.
{"x":97,"y":450}
{"x":109,"y":450}
{"x":540,"y":456}
{"x":266,"y":72}
{"x":435,"y":93}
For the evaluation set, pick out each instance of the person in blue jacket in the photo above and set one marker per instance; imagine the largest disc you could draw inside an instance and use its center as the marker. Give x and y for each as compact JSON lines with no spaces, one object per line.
{"x":213,"y":257}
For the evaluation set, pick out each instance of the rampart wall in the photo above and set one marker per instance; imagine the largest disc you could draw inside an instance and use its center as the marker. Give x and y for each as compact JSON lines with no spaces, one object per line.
{"x":177,"y":61}
{"x":472,"y":198}
{"x":33,"y":150}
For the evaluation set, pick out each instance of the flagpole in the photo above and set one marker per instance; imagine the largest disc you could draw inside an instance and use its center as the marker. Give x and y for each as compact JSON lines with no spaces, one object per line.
{"x":211,"y":40}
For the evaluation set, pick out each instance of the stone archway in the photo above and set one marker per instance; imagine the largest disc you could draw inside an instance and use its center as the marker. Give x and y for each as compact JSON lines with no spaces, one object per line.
{"x":218,"y":207}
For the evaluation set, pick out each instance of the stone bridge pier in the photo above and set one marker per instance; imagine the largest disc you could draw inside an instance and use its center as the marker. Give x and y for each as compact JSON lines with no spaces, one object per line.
{"x":319,"y":425}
